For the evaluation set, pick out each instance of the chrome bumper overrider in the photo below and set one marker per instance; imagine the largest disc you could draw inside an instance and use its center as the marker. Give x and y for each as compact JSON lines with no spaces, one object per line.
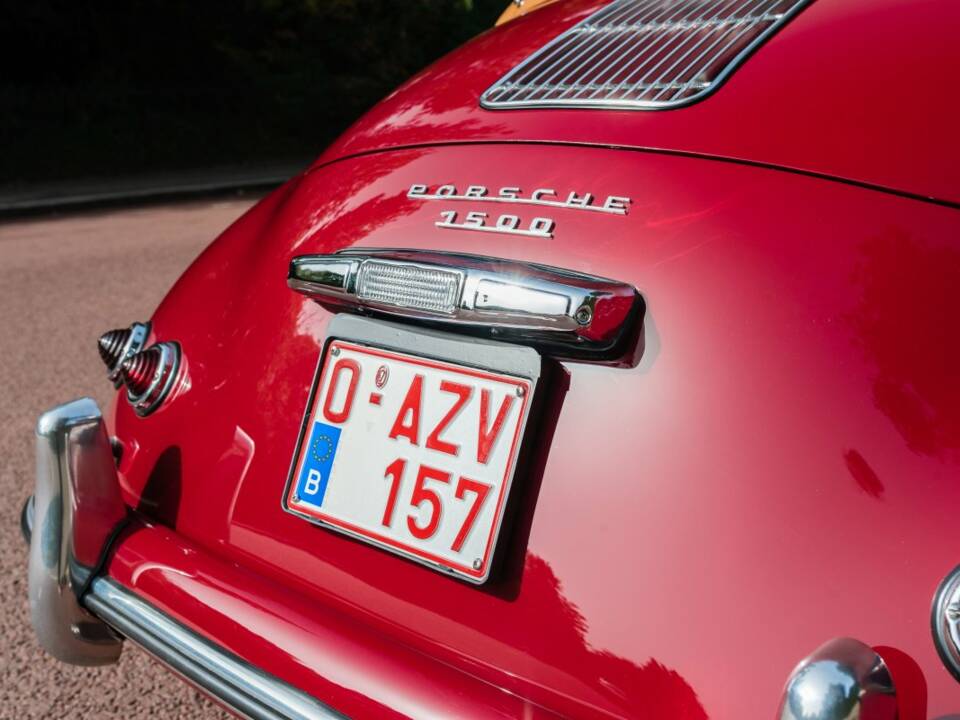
{"x":76,"y":509}
{"x":79,"y":617}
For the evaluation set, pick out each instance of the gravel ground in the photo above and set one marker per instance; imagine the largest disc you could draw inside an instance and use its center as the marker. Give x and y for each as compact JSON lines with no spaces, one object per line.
{"x":63,"y":281}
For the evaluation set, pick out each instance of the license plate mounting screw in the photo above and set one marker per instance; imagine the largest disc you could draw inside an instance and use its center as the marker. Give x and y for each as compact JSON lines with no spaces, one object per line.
{"x":334,"y":351}
{"x":296,"y":498}
{"x":520,"y":391}
{"x":583,"y":315}
{"x":477,"y":564}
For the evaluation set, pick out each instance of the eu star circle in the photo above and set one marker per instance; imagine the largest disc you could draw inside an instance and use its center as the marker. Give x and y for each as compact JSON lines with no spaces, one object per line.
{"x":321,"y":448}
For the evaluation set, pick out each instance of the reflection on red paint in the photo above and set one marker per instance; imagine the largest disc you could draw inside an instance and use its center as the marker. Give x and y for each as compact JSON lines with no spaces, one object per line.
{"x":862,"y":473}
{"x":908,"y":681}
{"x":906,"y":325}
{"x":649,"y":690}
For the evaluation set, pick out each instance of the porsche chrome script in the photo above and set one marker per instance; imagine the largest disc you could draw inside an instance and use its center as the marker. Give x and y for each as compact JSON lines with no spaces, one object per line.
{"x":508,"y":223}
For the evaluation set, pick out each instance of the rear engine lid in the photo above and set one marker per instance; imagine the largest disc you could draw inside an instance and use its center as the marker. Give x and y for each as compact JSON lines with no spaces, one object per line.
{"x":856,"y":90}
{"x":791,"y":393}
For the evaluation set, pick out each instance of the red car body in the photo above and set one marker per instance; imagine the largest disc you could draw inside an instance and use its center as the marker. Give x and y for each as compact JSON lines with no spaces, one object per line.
{"x":778,"y":467}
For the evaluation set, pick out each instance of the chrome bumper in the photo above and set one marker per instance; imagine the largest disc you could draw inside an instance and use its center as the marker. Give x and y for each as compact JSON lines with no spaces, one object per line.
{"x":249,"y":692}
{"x":79,"y":617}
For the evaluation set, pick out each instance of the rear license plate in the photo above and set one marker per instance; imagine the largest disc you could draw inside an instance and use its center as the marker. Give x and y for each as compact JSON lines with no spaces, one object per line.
{"x":411,"y":454}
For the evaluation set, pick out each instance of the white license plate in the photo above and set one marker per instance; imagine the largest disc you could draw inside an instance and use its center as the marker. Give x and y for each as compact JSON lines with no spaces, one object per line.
{"x":411,"y":454}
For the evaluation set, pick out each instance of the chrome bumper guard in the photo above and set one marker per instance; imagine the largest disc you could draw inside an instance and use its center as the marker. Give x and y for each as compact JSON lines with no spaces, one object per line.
{"x":76,"y":509}
{"x":79,"y":618}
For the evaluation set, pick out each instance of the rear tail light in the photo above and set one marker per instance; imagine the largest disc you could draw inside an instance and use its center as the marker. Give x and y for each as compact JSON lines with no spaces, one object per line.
{"x":149,"y":376}
{"x":115,"y":346}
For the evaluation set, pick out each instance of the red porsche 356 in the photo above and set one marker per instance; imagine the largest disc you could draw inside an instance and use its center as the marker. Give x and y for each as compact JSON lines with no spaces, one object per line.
{"x":604,"y":369}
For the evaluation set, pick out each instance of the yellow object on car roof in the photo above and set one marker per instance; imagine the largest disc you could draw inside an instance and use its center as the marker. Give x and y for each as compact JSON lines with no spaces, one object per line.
{"x":520,"y":7}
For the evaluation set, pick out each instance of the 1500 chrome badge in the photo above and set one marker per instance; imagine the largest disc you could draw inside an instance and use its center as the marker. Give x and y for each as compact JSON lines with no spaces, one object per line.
{"x":509,"y":223}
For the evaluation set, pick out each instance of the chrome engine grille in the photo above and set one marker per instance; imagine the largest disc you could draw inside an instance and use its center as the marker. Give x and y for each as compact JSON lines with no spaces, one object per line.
{"x":642,"y":54}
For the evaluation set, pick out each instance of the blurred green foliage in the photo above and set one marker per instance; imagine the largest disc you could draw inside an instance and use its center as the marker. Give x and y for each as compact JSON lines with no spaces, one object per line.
{"x":131,"y":86}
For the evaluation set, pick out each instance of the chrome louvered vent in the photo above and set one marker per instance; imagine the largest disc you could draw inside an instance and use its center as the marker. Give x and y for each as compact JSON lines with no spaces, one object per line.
{"x":642,"y":54}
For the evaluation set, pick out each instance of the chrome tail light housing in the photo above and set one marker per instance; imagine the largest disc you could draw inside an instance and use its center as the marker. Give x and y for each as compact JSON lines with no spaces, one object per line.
{"x":566,"y":313}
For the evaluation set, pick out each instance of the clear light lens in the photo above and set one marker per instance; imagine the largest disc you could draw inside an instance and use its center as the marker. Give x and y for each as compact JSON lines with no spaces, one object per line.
{"x":409,"y":286}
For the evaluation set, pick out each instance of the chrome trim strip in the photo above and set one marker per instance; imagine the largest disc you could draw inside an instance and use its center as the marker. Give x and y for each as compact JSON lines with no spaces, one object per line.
{"x":243,"y":688}
{"x":584,"y":66}
{"x":77,"y":507}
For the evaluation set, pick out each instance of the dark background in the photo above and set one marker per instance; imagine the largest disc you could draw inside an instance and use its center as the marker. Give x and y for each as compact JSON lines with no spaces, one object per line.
{"x":133,"y":87}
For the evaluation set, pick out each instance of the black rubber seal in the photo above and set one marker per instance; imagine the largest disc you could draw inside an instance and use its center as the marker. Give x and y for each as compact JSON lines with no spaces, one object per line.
{"x":104,"y":554}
